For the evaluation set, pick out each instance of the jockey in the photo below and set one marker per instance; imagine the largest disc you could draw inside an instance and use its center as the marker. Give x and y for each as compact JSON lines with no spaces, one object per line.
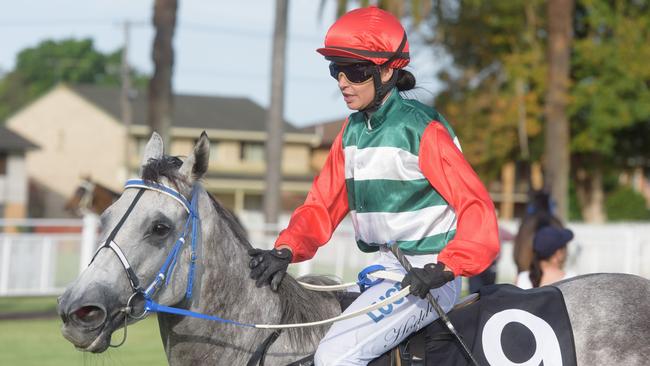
{"x":397,"y":168}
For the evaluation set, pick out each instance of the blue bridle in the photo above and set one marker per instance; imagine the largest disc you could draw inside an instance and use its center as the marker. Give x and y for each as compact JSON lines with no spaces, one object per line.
{"x":165,"y":272}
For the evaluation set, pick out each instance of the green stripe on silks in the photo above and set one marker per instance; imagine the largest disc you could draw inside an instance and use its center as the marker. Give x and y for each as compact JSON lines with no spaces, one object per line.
{"x":383,"y":195}
{"x":431,"y":244}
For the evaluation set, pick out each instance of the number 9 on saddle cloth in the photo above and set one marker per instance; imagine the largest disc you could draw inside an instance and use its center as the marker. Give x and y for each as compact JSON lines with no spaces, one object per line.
{"x":503,"y":325}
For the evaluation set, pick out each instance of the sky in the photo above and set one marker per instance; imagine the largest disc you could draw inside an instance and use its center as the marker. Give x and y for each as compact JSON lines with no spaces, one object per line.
{"x":222,"y":48}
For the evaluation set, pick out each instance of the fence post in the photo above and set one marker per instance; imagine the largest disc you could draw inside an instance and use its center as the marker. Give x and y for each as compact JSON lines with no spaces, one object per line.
{"x":88,"y":239}
{"x":4,"y":269}
{"x":46,"y":278}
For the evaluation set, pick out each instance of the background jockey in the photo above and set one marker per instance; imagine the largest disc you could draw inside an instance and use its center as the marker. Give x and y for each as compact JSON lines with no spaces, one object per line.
{"x":397,"y":168}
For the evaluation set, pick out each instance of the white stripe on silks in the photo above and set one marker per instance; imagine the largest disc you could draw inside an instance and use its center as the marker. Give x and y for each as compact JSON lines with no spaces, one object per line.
{"x":381,"y":163}
{"x":457,"y":143}
{"x":349,"y":153}
{"x":382,"y":227}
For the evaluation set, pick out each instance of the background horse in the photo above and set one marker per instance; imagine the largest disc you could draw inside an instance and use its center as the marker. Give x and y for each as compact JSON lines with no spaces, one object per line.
{"x":538,"y":214}
{"x":609,"y":313}
{"x":91,"y":197}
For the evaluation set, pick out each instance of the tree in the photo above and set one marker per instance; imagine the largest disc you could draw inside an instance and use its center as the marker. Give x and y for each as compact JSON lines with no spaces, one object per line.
{"x":41,"y":67}
{"x":275,"y":122}
{"x":160,"y":85}
{"x":556,"y":143}
{"x":499,"y":77}
{"x":494,"y":88}
{"x":610,"y":112}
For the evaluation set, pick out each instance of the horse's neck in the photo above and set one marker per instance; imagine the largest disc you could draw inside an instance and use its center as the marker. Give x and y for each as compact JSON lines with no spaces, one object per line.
{"x":223,"y":289}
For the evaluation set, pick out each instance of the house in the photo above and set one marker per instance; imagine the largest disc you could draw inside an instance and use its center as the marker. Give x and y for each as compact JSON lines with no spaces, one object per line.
{"x":81,"y":134}
{"x":14,"y":190}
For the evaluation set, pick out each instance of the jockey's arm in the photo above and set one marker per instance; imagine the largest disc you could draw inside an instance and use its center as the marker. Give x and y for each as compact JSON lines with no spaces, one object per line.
{"x":313,"y":223}
{"x":476,"y":242}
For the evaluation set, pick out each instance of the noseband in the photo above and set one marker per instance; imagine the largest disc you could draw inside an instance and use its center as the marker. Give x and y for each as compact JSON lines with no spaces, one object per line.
{"x":166,"y":269}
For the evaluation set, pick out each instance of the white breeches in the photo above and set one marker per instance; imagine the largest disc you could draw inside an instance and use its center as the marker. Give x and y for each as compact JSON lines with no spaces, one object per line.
{"x":361,"y":339}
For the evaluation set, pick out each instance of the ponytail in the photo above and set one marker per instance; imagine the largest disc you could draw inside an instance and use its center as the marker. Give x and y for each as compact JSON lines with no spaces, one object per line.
{"x":405,"y":80}
{"x":535,"y":271}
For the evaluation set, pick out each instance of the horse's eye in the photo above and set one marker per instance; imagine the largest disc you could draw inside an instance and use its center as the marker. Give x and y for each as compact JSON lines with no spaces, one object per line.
{"x":160,"y":229}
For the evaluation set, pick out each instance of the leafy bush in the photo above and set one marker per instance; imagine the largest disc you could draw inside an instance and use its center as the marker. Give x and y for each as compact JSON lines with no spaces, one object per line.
{"x":625,"y":204}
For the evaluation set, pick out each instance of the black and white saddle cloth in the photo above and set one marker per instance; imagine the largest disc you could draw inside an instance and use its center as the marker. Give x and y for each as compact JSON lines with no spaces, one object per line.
{"x":507,"y":326}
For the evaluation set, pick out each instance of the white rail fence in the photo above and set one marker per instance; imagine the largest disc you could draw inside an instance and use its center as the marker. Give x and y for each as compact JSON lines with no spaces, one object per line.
{"x":37,"y":263}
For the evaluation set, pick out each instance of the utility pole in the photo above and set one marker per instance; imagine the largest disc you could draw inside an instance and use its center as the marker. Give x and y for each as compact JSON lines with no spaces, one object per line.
{"x":125,"y":98}
{"x":275,"y":121}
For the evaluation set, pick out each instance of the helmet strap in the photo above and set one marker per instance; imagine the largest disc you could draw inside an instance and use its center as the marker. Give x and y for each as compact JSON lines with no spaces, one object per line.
{"x":382,"y":89}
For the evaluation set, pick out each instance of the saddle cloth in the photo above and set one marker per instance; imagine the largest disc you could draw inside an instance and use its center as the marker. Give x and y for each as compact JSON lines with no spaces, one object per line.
{"x":508,"y":326}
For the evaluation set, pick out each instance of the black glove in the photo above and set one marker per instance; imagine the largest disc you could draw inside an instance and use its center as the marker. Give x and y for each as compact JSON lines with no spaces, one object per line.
{"x":422,"y":280}
{"x":269,"y":266}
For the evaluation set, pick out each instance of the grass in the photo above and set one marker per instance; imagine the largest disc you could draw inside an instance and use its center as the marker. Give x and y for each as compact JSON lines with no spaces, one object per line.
{"x":40,"y":343}
{"x":31,"y":304}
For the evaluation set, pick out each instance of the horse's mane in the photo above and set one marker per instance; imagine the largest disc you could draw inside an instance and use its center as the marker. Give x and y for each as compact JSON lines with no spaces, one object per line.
{"x":298,"y":305}
{"x":165,"y":167}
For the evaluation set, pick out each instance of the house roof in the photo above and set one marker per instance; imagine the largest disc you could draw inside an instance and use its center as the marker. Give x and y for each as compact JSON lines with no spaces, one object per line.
{"x":327,"y":130}
{"x":192,"y":111}
{"x":11,"y":141}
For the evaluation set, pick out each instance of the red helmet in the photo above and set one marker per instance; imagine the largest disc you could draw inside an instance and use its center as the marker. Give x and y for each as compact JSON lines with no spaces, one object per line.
{"x":369,"y":34}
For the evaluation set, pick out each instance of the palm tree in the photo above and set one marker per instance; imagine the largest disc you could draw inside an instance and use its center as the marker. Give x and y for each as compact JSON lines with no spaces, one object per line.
{"x":160,"y":85}
{"x":556,"y":148}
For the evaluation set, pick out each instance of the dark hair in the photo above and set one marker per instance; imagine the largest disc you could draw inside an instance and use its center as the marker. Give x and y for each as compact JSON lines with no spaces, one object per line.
{"x":405,"y":80}
{"x":535,"y":271}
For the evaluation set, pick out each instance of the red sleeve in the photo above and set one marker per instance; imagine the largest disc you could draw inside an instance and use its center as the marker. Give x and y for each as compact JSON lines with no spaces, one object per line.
{"x":312,"y":224}
{"x":476,"y":243}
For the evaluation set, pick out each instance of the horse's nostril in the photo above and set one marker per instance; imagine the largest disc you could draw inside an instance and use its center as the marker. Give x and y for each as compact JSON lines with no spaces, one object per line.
{"x":64,"y":318}
{"x":88,"y":316}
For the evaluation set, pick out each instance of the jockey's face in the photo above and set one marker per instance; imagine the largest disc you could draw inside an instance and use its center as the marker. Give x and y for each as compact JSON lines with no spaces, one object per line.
{"x":560,"y":257}
{"x":358,"y":96}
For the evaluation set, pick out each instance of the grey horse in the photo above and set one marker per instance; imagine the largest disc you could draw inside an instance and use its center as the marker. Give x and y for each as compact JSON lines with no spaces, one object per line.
{"x":610,"y":314}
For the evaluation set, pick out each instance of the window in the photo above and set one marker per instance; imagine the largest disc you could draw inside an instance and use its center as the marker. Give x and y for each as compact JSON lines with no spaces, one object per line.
{"x":253,"y":202}
{"x":141,"y":144}
{"x":3,"y":164}
{"x":214,"y":149}
{"x":252,"y":151}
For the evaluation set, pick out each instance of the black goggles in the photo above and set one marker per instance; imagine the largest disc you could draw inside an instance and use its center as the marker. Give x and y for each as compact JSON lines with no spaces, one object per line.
{"x":355,"y":73}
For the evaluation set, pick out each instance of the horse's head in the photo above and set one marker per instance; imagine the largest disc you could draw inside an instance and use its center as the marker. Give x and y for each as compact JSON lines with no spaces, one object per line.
{"x":90,"y":197}
{"x":540,"y":202}
{"x":139,"y":231}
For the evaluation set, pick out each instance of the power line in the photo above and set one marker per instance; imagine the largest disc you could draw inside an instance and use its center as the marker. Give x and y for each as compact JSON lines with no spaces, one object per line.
{"x":198,"y":27}
{"x":181,"y":26}
{"x":58,"y":22}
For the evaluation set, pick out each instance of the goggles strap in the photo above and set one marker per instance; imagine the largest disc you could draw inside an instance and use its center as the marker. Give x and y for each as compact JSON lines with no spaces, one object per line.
{"x":382,"y":89}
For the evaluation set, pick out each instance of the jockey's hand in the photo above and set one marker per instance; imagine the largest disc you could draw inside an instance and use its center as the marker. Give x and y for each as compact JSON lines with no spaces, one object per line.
{"x":269,"y":266}
{"x":422,"y":280}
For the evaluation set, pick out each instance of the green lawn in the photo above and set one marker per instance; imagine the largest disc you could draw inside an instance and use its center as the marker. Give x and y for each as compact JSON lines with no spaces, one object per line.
{"x":40,"y":343}
{"x":31,"y":304}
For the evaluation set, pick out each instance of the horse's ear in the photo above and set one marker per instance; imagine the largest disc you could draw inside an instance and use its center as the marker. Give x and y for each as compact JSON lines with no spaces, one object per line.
{"x":195,"y":166}
{"x":154,"y":149}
